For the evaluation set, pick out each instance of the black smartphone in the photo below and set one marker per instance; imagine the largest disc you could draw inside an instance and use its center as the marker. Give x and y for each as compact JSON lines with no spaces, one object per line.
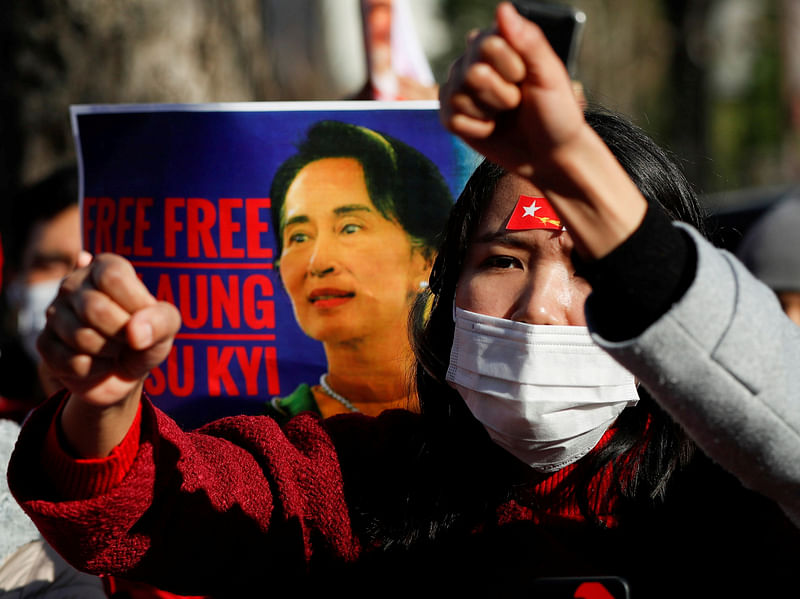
{"x":561,"y":24}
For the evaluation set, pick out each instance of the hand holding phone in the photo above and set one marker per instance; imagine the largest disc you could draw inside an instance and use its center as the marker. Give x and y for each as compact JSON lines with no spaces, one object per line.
{"x":509,"y":95}
{"x":562,"y":26}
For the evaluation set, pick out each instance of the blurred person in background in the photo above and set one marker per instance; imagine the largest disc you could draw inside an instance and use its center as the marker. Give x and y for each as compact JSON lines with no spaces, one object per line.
{"x":29,"y":566}
{"x":40,"y":245}
{"x":41,"y":242}
{"x":771,"y":250}
{"x":397,"y":68}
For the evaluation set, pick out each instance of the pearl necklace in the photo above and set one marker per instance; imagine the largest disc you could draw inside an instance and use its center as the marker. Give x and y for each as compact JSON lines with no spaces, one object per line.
{"x":323,"y":381}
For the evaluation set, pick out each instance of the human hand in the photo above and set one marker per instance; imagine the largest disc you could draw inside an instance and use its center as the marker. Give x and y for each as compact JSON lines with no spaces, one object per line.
{"x":105,"y":331}
{"x":510,"y":97}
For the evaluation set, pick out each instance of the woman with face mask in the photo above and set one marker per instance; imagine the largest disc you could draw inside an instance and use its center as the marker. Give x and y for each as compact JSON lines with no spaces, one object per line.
{"x":42,"y":239}
{"x":536,"y":457}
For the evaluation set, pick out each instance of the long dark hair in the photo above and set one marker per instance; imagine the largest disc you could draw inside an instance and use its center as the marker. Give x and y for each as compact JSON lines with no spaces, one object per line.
{"x":652,"y":445}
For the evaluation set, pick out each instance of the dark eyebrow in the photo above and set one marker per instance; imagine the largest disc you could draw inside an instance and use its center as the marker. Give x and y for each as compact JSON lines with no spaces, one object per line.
{"x":300,"y":218}
{"x":348,"y":208}
{"x":54,"y":256}
{"x":338,"y":211}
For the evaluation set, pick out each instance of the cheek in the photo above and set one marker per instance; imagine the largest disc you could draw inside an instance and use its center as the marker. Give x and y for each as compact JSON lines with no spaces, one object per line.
{"x":481,"y":296}
{"x":465,"y":297}
{"x":575,"y":307}
{"x":565,"y":294}
{"x":389,"y":282}
{"x":290,"y":272}
{"x":384,"y":262}
{"x":577,"y":315}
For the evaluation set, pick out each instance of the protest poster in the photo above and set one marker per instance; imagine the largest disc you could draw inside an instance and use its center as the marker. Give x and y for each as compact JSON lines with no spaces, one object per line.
{"x":183,"y":192}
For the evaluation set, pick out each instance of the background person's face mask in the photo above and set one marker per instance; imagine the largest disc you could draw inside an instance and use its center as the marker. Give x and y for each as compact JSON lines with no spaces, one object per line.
{"x":31,"y":303}
{"x":545,"y":393}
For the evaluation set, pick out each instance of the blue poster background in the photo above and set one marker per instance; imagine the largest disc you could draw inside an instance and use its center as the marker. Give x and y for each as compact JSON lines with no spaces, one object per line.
{"x":135,"y":157}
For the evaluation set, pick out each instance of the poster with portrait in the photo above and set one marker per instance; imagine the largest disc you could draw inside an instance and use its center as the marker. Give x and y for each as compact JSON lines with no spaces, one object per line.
{"x":185,"y":192}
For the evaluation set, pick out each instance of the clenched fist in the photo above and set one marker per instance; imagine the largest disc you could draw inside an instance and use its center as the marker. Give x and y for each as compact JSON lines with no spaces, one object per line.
{"x":104,"y":334}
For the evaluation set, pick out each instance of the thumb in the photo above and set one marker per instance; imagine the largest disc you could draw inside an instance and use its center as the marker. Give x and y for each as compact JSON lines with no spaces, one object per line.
{"x":84,"y":259}
{"x":150,"y":332}
{"x":153,"y":325}
{"x":542,"y":64}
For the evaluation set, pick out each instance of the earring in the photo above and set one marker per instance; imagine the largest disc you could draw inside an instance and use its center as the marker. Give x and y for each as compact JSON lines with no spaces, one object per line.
{"x":423,"y":285}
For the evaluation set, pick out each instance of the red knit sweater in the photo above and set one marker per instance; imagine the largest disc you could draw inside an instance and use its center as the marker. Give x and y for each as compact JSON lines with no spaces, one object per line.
{"x":240,"y":481}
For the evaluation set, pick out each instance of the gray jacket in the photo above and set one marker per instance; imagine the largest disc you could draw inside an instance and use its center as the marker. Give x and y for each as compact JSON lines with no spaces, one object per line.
{"x":725,"y":363}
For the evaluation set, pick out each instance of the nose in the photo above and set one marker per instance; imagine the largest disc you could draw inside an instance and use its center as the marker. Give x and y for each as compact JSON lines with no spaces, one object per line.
{"x":545,"y":298}
{"x":322,"y":261}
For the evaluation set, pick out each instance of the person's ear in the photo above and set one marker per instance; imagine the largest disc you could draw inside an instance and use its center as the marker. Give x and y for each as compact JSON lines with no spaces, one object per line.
{"x":421,"y":265}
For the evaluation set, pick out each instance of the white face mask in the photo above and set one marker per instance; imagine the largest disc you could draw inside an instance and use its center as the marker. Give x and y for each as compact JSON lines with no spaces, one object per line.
{"x":31,"y":302}
{"x":545,"y":393}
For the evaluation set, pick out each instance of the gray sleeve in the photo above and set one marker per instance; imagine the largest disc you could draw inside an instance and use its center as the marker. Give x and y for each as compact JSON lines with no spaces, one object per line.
{"x":724,"y":361}
{"x":16,"y":529}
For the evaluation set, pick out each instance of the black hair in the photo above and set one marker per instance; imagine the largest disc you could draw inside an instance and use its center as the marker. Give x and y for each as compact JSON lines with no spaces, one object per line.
{"x":404,"y":185}
{"x":655,"y":447}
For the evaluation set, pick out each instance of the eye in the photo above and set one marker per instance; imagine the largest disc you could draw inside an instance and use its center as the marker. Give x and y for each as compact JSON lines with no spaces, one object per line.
{"x":501,"y":262}
{"x":298,"y":237}
{"x":351,"y":228}
{"x":52,"y":265}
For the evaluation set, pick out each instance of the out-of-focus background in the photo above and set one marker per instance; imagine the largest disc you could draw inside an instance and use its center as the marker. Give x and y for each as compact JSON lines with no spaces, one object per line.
{"x":716,"y":81}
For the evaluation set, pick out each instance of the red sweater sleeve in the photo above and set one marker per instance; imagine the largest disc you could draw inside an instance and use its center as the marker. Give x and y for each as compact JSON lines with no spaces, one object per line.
{"x":196,"y":511}
{"x":81,"y":478}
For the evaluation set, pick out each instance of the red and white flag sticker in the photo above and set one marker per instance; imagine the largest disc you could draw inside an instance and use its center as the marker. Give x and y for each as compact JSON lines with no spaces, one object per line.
{"x":533,"y":213}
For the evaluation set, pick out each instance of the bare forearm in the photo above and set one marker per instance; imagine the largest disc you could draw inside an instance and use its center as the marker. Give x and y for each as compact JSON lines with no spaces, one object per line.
{"x":92,"y":431}
{"x":105,"y":332}
{"x":593,"y":195}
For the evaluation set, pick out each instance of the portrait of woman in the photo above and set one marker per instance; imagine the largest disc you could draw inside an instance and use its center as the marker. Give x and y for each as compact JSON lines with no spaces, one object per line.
{"x":357,"y":216}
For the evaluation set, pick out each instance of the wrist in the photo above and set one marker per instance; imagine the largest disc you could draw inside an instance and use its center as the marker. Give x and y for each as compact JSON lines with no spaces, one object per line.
{"x":92,"y":431}
{"x":641,"y":280}
{"x":594,"y":196}
{"x":78,"y":478}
